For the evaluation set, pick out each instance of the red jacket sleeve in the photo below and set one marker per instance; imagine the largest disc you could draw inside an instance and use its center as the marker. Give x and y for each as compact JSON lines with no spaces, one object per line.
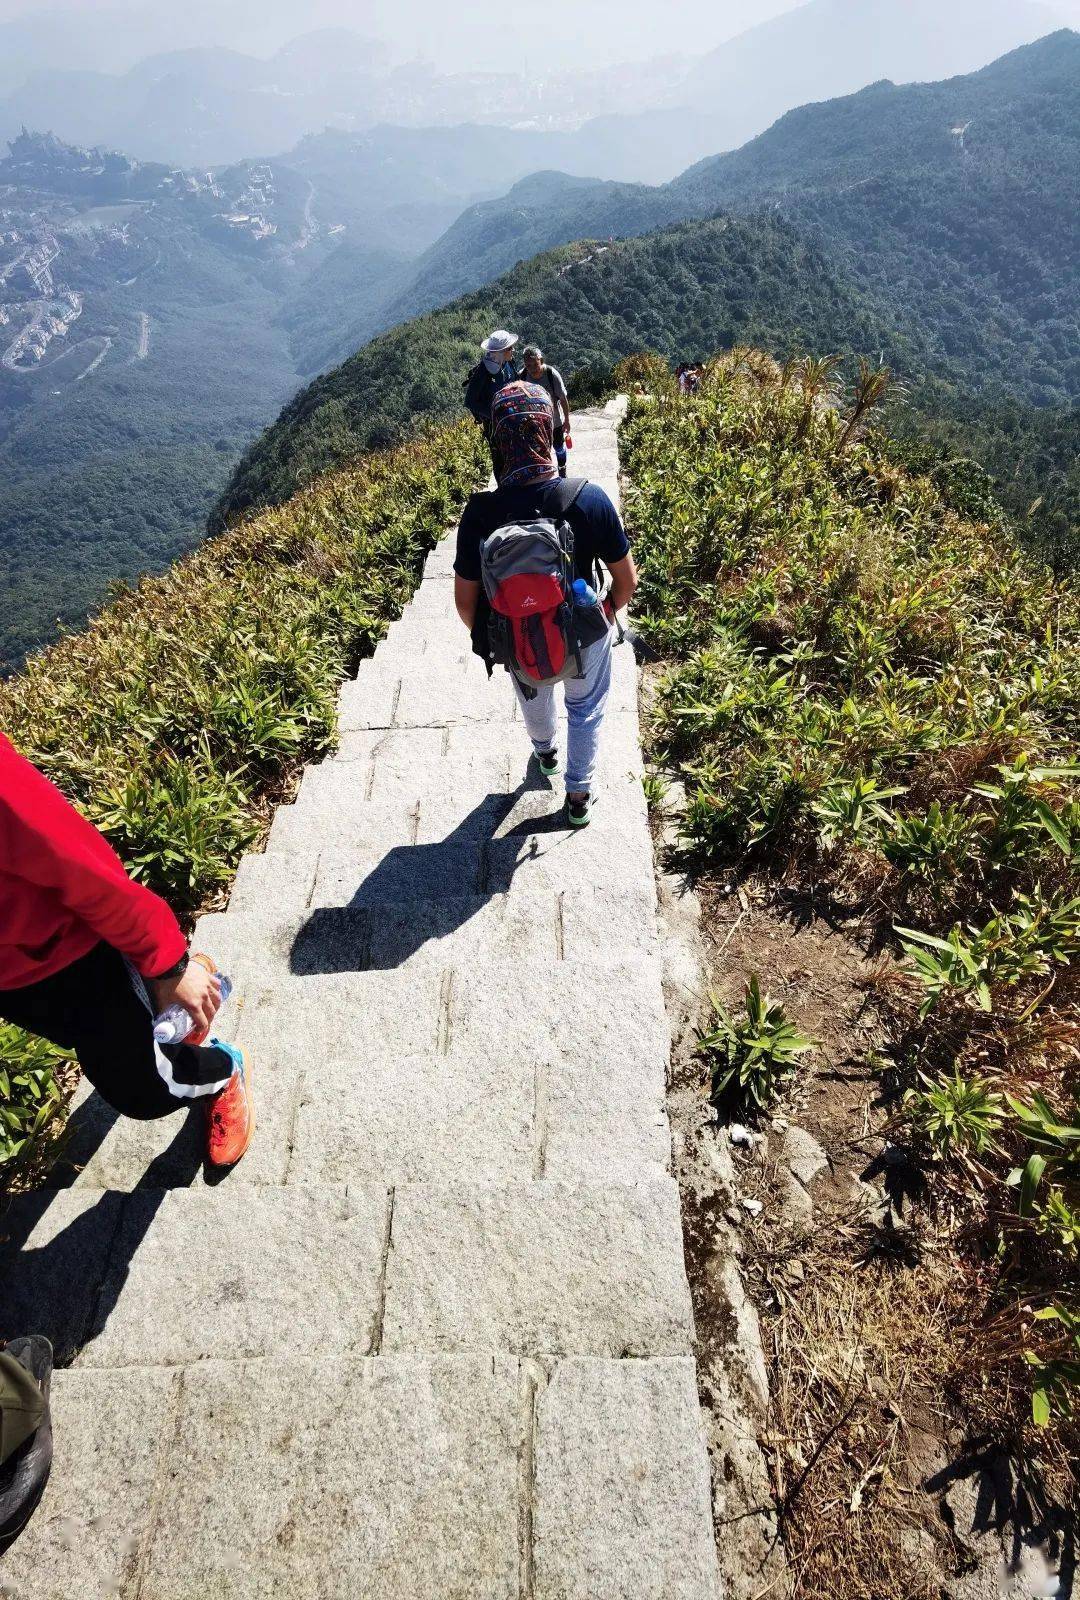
{"x":45,"y":841}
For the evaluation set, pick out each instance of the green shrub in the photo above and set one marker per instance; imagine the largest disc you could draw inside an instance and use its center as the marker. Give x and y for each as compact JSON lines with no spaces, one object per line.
{"x":1056,"y":1145}
{"x":30,"y":1093}
{"x":877,"y":701}
{"x":930,"y":848}
{"x":849,"y":812}
{"x":956,"y":1115}
{"x":1057,"y":1377}
{"x":752,"y":1056}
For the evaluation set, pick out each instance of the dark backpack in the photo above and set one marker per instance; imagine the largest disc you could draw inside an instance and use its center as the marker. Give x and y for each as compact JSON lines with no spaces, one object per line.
{"x":534,"y":628}
{"x":477,"y":393}
{"x":480,"y":389}
{"x":25,"y":1431}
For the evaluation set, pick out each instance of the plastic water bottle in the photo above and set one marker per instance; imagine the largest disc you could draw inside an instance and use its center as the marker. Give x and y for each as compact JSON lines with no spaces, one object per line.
{"x":584,"y":593}
{"x":176,"y":1023}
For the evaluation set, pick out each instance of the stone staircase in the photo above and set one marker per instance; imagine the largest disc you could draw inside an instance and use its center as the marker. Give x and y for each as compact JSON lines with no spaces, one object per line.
{"x":432,"y":1339}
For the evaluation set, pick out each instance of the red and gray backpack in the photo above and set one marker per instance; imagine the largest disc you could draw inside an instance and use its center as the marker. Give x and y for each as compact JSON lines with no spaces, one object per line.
{"x":534,"y":628}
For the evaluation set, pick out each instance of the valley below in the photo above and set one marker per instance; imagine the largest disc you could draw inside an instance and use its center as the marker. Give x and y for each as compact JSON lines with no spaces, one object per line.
{"x":142,"y":344}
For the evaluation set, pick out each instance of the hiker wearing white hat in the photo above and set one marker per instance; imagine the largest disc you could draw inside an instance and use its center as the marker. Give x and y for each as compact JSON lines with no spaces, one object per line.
{"x":499,"y":346}
{"x":493,"y":371}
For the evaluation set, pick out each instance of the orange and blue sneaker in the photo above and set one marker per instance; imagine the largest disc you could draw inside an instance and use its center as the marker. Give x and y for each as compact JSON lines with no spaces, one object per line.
{"x":230,"y":1114}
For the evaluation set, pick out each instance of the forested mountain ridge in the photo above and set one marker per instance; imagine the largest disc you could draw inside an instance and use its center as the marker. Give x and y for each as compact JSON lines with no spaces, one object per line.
{"x":953,"y":207}
{"x":685,"y":290}
{"x":937,"y":225}
{"x":886,"y":127}
{"x":960,"y":200}
{"x":539,"y":213}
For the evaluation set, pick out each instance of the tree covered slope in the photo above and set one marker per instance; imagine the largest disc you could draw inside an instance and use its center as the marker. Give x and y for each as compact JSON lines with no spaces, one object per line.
{"x":958,"y":202}
{"x":937,"y":225}
{"x":683,"y":291}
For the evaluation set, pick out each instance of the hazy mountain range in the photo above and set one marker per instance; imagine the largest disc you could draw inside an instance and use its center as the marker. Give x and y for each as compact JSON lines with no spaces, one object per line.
{"x":840,"y":164}
{"x":833,"y":47}
{"x":938,"y":224}
{"x":211,"y":105}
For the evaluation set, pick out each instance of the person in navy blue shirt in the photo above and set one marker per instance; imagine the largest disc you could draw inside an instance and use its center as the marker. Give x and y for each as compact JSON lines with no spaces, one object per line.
{"x":528,"y":484}
{"x":596,"y":525}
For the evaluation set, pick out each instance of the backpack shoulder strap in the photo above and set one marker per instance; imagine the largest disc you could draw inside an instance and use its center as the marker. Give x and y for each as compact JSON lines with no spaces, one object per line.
{"x":566,"y":493}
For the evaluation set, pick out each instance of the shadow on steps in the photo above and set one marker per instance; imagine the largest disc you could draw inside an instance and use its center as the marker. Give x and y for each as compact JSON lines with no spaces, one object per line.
{"x":66,"y":1283}
{"x":420,"y":893}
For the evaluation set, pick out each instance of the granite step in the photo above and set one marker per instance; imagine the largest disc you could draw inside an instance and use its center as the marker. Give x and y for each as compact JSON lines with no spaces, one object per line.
{"x":532,"y":1268}
{"x":432,"y":1338}
{"x":446,"y":1477}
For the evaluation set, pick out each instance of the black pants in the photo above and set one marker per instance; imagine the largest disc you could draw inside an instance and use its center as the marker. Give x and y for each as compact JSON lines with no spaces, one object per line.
{"x":496,"y":453}
{"x":94,"y":1008}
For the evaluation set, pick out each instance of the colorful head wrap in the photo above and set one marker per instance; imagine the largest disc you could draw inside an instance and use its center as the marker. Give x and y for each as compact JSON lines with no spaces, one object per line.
{"x":523,"y":431}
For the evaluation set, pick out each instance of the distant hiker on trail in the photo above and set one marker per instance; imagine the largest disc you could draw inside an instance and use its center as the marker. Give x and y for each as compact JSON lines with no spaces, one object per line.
{"x":492,"y":372}
{"x":88,"y":958}
{"x":529,"y":587}
{"x":550,"y":378}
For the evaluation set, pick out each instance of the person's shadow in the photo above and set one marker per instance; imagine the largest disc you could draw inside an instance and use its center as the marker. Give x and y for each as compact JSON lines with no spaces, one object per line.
{"x":66,"y":1284}
{"x":420,"y":892}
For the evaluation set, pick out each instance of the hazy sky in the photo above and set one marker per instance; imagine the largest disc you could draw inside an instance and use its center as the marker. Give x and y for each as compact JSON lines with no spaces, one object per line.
{"x":485,"y":34}
{"x":113,"y":34}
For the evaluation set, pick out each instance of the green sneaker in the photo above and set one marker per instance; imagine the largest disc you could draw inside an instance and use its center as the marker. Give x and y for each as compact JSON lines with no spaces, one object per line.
{"x":549,"y":762}
{"x":578,"y":810}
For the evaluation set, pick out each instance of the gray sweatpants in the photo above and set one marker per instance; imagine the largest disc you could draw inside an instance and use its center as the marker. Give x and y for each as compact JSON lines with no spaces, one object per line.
{"x":585,"y":701}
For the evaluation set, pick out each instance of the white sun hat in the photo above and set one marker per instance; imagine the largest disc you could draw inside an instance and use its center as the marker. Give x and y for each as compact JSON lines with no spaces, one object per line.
{"x":499,"y":340}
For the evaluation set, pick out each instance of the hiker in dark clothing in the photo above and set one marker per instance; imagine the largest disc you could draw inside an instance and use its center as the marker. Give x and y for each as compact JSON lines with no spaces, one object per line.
{"x":25,"y":1432}
{"x":492,"y":372}
{"x":530,"y":489}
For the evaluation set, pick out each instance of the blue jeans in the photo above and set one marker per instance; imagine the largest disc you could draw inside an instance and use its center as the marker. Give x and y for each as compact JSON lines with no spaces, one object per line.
{"x":585,"y":701}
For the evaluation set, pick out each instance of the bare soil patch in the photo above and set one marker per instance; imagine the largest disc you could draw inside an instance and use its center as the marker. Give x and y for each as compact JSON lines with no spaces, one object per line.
{"x":873,"y":1472}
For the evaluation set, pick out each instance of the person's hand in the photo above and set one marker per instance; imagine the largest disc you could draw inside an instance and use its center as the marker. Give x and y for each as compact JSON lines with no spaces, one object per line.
{"x":198,"y":991}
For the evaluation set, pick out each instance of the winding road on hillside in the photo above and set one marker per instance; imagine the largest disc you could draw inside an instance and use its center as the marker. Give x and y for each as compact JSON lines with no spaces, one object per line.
{"x":432,"y":1339}
{"x":98,"y":359}
{"x":308,"y":226}
{"x":142,"y":348}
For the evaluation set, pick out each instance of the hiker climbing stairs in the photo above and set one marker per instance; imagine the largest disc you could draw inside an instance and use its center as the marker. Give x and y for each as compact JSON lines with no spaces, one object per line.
{"x":432,"y":1338}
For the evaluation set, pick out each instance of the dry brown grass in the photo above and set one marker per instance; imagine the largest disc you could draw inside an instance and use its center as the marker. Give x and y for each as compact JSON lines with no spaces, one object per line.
{"x":862,"y":1351}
